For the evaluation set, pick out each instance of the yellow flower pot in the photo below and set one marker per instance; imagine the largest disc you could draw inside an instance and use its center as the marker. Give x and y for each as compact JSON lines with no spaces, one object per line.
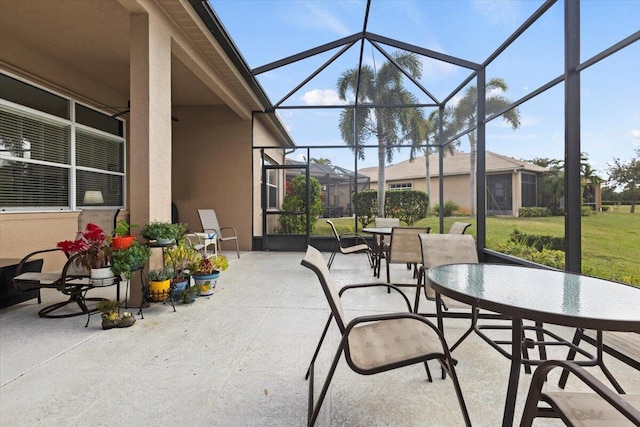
{"x":159,"y":291}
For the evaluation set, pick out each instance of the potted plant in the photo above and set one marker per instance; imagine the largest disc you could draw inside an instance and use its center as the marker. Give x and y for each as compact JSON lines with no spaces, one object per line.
{"x":164,"y":233}
{"x":125,"y":262}
{"x":110,"y":310}
{"x":207,"y":271}
{"x":122,"y":238}
{"x":189,"y":293}
{"x":180,"y":257}
{"x":91,"y":251}
{"x":159,"y":283}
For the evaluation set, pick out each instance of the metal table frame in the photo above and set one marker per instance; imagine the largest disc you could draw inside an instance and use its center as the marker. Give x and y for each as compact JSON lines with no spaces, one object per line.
{"x":626,"y":319}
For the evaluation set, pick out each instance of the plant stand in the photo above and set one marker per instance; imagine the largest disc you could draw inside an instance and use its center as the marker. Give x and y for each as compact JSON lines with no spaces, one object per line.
{"x":148,"y":296}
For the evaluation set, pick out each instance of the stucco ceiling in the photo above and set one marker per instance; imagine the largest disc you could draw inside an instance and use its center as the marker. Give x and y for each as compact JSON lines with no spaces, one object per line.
{"x":89,"y":37}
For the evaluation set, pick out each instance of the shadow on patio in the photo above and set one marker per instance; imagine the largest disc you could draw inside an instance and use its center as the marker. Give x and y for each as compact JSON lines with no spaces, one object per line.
{"x":238,"y":358}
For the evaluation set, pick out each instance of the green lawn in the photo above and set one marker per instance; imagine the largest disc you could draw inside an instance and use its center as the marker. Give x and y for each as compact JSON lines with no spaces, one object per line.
{"x":610,"y":240}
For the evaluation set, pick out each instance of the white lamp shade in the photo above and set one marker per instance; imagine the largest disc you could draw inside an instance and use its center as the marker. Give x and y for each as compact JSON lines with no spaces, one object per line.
{"x":93,"y":198}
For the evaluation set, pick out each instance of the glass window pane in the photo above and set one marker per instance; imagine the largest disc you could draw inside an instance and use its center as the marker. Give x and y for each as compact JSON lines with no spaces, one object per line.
{"x":31,"y":137}
{"x":97,"y":120}
{"x":24,"y":94}
{"x":98,"y":152}
{"x":97,"y":189}
{"x":28,"y":185}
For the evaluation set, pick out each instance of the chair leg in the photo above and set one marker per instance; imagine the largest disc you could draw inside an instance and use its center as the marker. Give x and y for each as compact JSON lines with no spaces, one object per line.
{"x":456,"y":385}
{"x":315,"y":354}
{"x":313,"y":412}
{"x":333,"y":255}
{"x":237,"y":249}
{"x":572,"y":354}
{"x":426,"y":366}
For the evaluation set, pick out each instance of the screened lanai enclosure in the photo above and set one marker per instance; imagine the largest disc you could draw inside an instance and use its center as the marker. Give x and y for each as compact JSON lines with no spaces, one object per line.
{"x":491,"y":108}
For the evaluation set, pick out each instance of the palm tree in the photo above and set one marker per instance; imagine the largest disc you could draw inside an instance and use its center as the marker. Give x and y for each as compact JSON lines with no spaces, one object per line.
{"x":391,"y":126}
{"x":430,"y":133}
{"x":465,"y":116}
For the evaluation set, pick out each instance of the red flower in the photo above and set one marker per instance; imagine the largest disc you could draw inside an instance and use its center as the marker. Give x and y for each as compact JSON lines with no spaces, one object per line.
{"x":91,"y":246}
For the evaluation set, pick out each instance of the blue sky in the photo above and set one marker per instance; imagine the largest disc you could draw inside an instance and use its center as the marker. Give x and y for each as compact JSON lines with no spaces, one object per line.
{"x":266,"y":31}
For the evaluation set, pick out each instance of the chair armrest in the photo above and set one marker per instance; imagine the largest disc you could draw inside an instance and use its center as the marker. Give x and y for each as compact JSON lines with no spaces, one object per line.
{"x":540,"y":376}
{"x":26,"y":259}
{"x":377,"y":284}
{"x":358,"y":237}
{"x":228,"y":228}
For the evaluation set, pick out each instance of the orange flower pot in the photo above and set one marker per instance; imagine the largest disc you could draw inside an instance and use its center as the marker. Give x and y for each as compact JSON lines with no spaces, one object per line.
{"x":122,"y":242}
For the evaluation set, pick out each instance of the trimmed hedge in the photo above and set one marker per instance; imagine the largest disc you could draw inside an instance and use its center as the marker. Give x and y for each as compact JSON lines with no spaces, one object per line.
{"x":534,"y":212}
{"x":366,"y":204}
{"x":409,"y":206}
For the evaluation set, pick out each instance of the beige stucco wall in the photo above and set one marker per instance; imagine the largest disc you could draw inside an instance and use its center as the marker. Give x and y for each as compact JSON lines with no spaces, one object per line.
{"x":456,"y":188}
{"x":212,"y":168}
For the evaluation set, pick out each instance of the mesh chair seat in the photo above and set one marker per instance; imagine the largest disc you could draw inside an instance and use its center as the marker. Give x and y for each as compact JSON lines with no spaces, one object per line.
{"x":589,"y":409}
{"x":379,"y":344}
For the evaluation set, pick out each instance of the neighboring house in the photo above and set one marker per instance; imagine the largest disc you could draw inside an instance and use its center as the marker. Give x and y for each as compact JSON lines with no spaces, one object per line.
{"x":511,"y":183}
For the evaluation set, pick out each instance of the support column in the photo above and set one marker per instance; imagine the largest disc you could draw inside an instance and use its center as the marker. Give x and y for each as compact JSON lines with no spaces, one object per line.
{"x":150,"y":124}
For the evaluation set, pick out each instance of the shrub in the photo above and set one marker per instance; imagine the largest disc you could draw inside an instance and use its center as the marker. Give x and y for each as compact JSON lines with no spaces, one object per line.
{"x":295,"y":200}
{"x":449,"y":208}
{"x":534,"y":212}
{"x":585,"y":211}
{"x":548,"y":257}
{"x":538,"y":241}
{"x":409,"y":206}
{"x":366,"y":203}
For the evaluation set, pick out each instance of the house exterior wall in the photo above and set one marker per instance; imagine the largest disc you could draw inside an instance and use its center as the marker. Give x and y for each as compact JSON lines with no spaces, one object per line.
{"x":211,"y":148}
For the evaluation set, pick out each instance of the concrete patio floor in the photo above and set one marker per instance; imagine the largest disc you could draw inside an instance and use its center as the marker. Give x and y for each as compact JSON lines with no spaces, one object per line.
{"x":238,"y":358}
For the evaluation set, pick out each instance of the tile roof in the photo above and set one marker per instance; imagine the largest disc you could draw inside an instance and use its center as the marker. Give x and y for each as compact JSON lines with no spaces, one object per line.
{"x":456,"y":164}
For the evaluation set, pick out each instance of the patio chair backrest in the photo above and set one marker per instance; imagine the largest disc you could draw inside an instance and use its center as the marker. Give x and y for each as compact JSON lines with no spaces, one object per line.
{"x":103,"y":218}
{"x":459,"y":227}
{"x":405,"y":244}
{"x":314,"y":261}
{"x":209,"y":221}
{"x":387,"y":222}
{"x":333,"y":227}
{"x":440,"y":249}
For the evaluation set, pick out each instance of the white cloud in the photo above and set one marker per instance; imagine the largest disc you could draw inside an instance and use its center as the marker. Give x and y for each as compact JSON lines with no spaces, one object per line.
{"x":312,"y":15}
{"x":635,"y":137}
{"x":321,"y":97}
{"x":505,"y":13}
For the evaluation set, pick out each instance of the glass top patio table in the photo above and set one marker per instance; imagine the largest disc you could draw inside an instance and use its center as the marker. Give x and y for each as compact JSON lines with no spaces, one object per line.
{"x":546,"y":296}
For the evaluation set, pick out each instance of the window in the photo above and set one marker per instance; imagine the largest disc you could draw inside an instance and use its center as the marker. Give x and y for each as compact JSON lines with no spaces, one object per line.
{"x":50,"y":159}
{"x":529,"y":190}
{"x":272,"y":189}
{"x":401,"y":186}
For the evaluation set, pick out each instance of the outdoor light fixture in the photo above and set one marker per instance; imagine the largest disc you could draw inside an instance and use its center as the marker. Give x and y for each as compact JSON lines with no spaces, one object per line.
{"x":93,"y":198}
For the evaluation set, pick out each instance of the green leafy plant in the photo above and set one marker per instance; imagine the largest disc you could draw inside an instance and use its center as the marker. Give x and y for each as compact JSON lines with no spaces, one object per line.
{"x":206,"y":266}
{"x":123,"y":228}
{"x":366,"y":203}
{"x":160,"y":274}
{"x":295,"y":200}
{"x":180,"y":257}
{"x":409,"y":206}
{"x":124,"y":261}
{"x":449,"y":208}
{"x":534,"y":212}
{"x":163,"y":230}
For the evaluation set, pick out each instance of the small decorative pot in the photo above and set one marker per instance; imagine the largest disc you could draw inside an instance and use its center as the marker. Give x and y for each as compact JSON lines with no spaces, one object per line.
{"x":163,"y":241}
{"x":207,"y":283}
{"x":178,"y":288}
